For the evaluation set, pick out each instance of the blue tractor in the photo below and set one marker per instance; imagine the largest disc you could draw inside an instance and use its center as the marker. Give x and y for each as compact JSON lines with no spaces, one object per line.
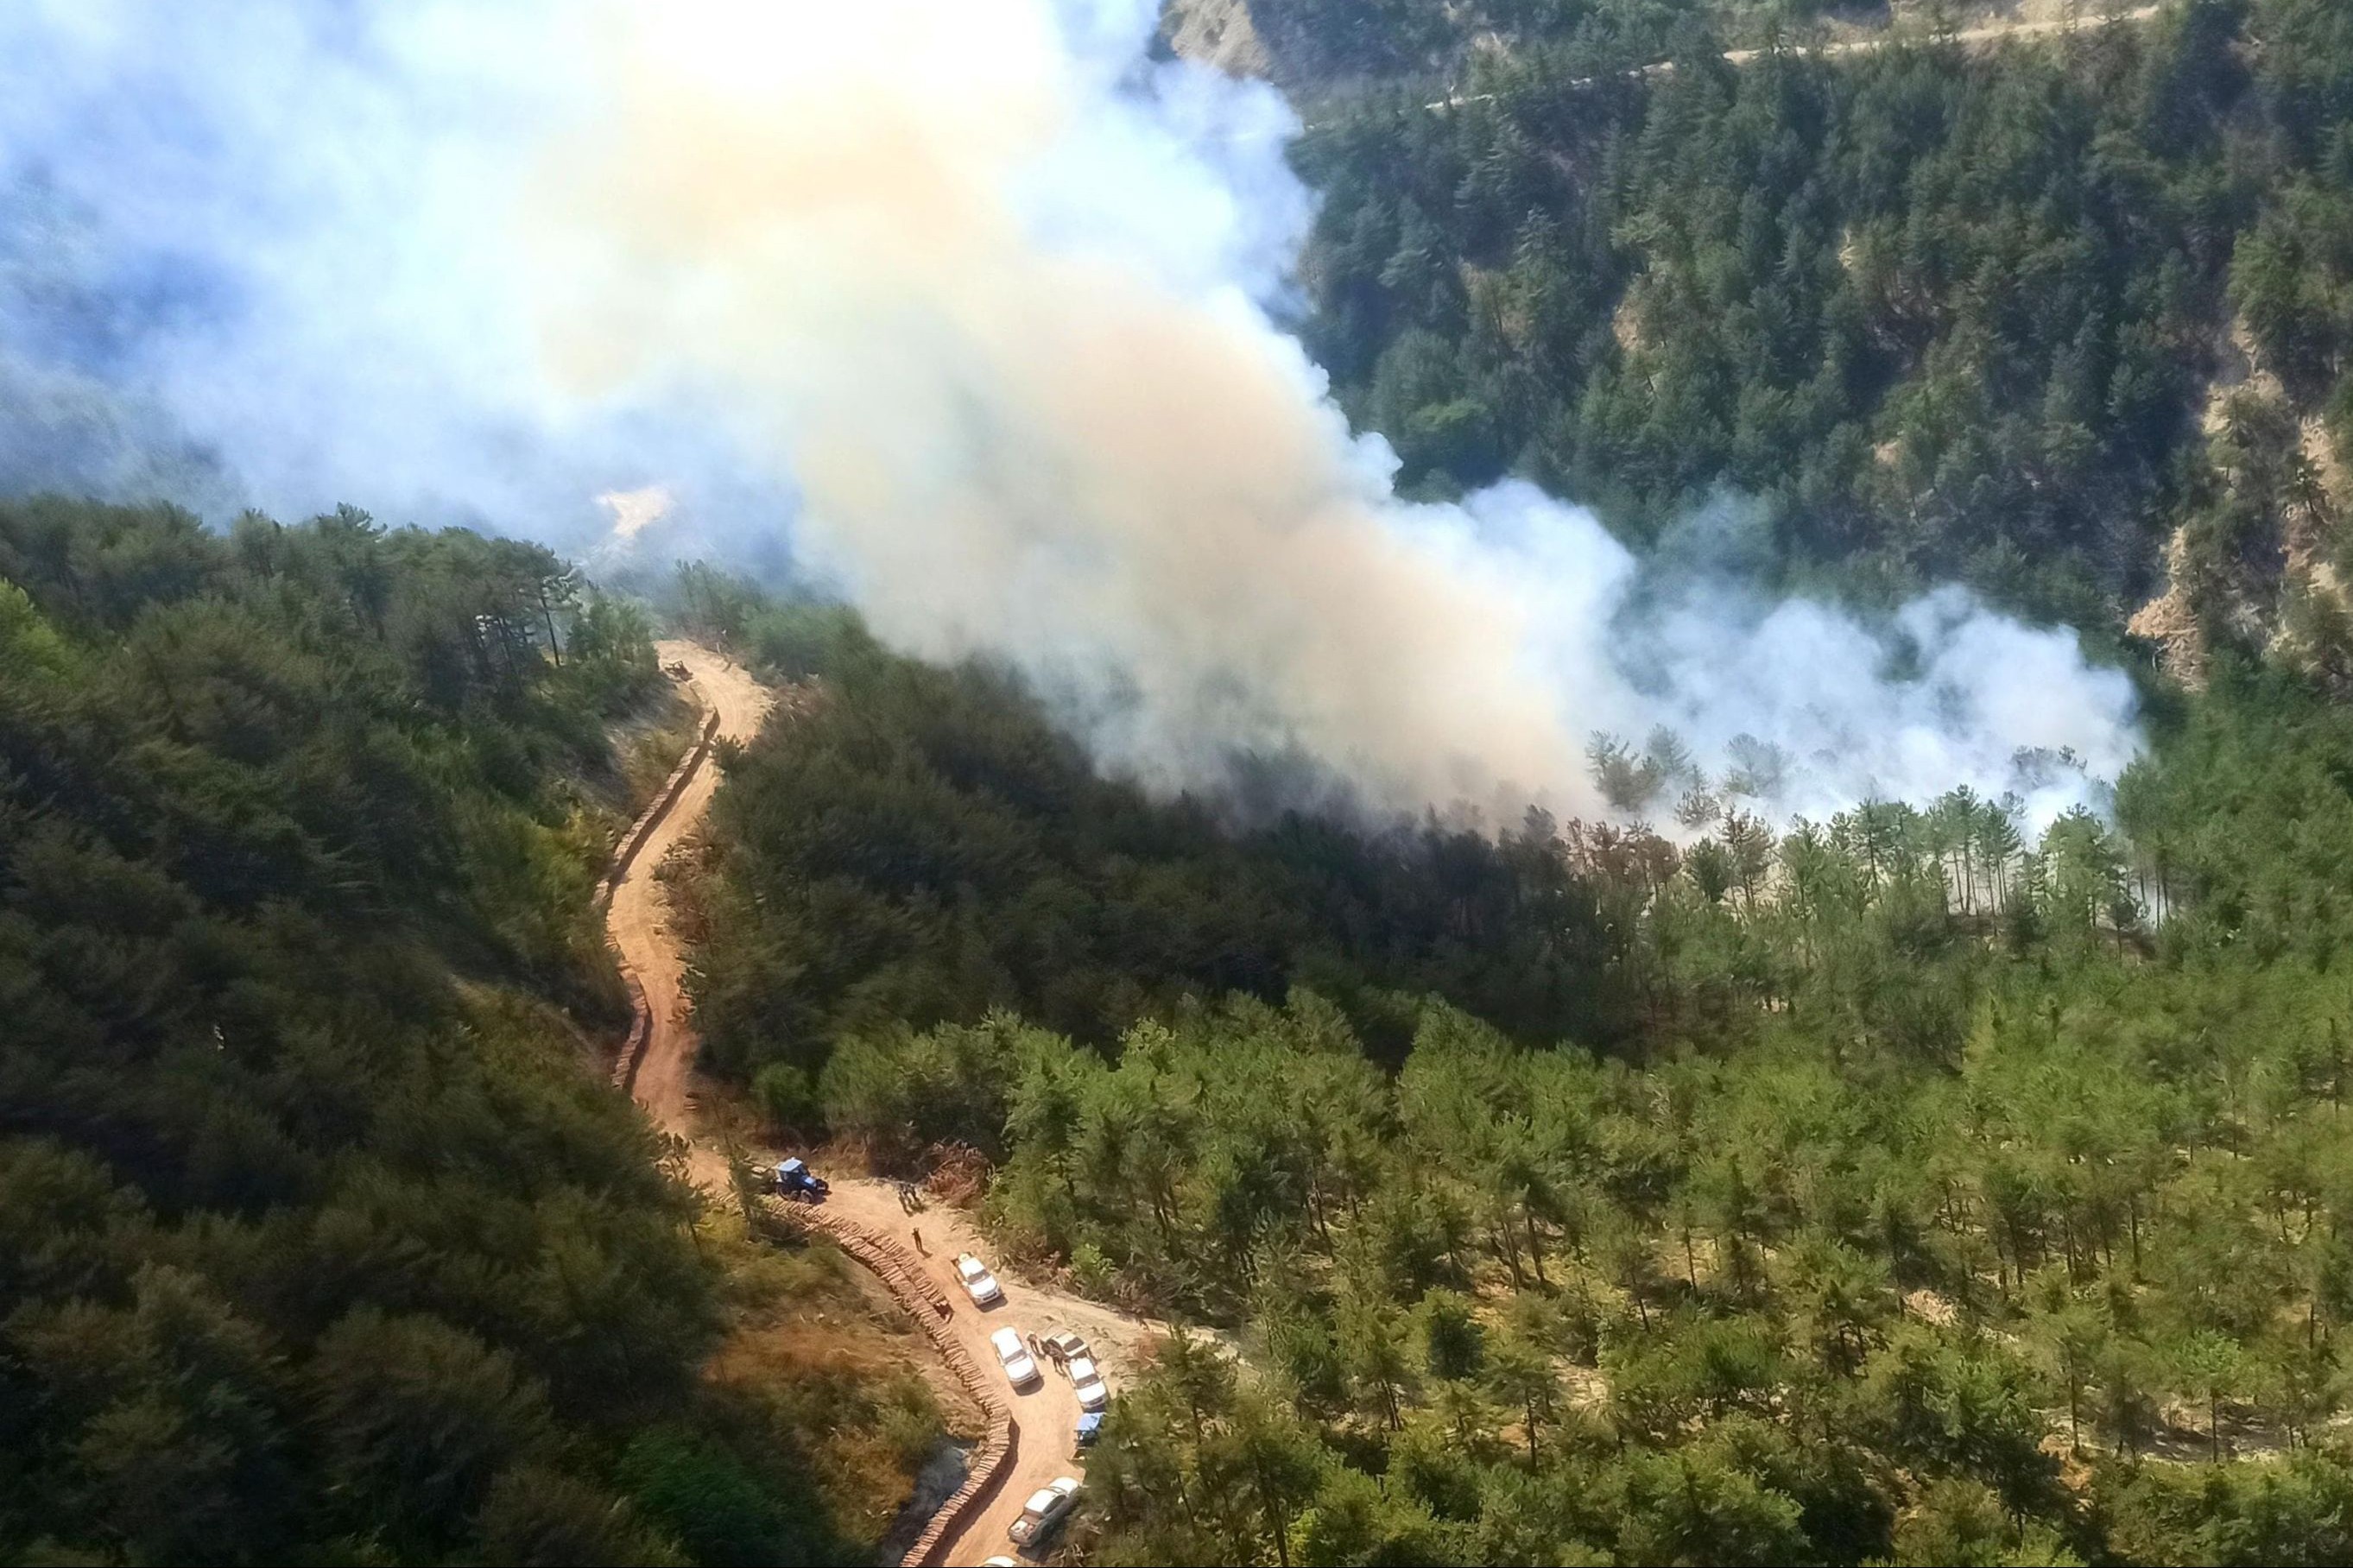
{"x":799,"y":1183}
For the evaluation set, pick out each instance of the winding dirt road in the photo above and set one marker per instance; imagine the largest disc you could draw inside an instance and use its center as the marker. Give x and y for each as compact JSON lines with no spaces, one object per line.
{"x":1994,"y":32}
{"x":1047,"y":1411}
{"x":638,"y":919}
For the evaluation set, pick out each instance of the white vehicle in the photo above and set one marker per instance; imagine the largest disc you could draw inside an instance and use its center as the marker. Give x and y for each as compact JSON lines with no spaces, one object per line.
{"x":1044,"y":1511}
{"x":977,"y":1281}
{"x":1088,"y":1384}
{"x":1020,"y":1369}
{"x":1000,"y":1562}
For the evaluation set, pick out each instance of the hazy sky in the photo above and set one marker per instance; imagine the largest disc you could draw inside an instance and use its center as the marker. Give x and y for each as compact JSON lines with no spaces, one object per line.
{"x":962,"y":308}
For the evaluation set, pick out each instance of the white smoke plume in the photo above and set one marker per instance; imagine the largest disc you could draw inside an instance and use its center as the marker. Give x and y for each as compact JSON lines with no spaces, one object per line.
{"x":968,"y":302}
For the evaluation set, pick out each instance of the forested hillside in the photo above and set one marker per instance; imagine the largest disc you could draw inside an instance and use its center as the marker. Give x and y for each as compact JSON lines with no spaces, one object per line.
{"x":2064,"y":319}
{"x":1907,"y":1186}
{"x":319,"y":1241}
{"x":1915,"y":1186}
{"x":1926,"y":1185}
{"x":924,"y":845}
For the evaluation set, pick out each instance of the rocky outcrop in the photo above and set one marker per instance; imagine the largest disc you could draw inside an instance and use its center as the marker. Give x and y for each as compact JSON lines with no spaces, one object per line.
{"x":2170,"y":620}
{"x":1216,"y":33}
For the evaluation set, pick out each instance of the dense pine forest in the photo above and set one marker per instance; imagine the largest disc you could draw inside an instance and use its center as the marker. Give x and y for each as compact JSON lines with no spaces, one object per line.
{"x":2030,"y":316}
{"x":1912,"y":1186}
{"x":1900,"y":1187}
{"x":319,"y":1238}
{"x":1925,"y":1185}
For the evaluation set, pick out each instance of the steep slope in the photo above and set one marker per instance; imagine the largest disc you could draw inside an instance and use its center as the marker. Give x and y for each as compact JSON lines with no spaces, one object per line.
{"x":315,"y":1240}
{"x":1218,"y":32}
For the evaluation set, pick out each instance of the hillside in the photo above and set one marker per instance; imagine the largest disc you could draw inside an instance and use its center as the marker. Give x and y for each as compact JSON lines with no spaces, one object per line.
{"x":320,"y":1236}
{"x":1744,"y":962}
{"x":2063,"y":317}
{"x":1918,"y":1185}
{"x":1902,"y":1187}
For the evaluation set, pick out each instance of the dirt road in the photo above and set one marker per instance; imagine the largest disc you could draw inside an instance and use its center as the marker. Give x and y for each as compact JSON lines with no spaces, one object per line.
{"x":1047,"y":1413}
{"x":1987,"y":33}
{"x":639,"y":916}
{"x":1967,"y":38}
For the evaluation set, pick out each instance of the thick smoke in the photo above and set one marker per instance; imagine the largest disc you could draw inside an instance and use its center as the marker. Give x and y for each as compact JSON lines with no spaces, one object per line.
{"x":968,"y":302}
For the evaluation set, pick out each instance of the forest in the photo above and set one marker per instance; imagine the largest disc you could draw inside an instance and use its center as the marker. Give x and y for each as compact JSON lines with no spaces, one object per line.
{"x":320,"y":1240}
{"x":1905,"y":1187}
{"x":2059,"y":318}
{"x":1920,"y":1186}
{"x":1925,"y":1185}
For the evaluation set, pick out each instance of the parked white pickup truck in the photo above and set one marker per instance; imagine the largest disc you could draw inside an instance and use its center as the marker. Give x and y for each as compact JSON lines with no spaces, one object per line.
{"x":977,"y":1281}
{"x":1088,"y":1384}
{"x":1020,"y":1368}
{"x":1044,"y":1511}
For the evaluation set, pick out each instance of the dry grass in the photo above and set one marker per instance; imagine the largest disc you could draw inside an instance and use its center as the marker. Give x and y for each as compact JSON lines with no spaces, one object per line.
{"x":817,"y":1345}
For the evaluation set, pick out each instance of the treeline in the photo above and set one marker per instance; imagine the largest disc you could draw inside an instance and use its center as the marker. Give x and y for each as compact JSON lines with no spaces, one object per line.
{"x":1950,"y":312}
{"x":924,"y":845}
{"x":317,"y":1242}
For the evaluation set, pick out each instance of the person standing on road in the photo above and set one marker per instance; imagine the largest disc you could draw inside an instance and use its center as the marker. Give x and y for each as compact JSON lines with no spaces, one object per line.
{"x":919,"y":1240}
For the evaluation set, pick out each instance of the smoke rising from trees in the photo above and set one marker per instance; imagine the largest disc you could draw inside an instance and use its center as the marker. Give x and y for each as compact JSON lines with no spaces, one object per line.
{"x":962,"y":310}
